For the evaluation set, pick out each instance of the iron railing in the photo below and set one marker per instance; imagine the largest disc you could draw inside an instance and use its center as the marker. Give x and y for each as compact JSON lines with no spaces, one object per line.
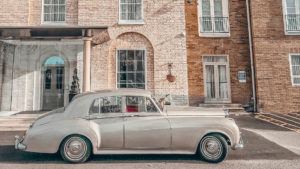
{"x":292,"y":22}
{"x":214,"y":24}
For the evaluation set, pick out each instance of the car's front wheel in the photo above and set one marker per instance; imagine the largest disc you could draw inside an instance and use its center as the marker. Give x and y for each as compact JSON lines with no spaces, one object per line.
{"x":75,"y":149}
{"x":213,"y":148}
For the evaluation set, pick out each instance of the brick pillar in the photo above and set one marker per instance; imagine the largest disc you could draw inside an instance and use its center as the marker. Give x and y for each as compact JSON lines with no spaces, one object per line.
{"x":86,"y":83}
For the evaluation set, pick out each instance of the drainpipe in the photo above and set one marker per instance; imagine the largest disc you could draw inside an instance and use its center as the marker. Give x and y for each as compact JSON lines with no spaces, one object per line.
{"x":251,"y":56}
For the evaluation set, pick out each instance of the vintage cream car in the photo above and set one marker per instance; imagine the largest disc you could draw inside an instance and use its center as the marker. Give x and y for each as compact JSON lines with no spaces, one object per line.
{"x":128,"y":121}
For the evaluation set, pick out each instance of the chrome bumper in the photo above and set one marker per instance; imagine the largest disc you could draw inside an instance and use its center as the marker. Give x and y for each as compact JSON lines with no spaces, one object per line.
{"x":18,"y":143}
{"x":240,"y":145}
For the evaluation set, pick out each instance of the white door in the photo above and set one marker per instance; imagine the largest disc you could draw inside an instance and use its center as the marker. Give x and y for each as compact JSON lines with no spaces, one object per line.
{"x":216,"y":79}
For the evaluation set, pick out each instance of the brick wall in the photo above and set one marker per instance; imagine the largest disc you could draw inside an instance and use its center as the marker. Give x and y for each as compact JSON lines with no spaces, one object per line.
{"x":14,"y":13}
{"x":272,"y":48}
{"x":236,"y":47}
{"x":163,"y":29}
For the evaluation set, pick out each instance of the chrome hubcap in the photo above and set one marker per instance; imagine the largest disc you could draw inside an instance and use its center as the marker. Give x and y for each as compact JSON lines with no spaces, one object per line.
{"x":211,"y":148}
{"x":75,"y":148}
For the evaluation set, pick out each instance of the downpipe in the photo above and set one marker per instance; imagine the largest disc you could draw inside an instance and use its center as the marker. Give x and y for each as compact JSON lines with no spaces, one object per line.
{"x":251,"y":57}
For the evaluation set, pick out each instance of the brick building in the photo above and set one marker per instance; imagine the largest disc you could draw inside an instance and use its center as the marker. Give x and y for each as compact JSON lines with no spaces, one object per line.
{"x":111,"y":44}
{"x":276,"y":30}
{"x":218,"y":52}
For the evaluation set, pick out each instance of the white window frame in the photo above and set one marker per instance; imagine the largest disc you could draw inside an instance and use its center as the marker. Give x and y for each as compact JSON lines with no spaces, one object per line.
{"x":145,"y":60}
{"x":227,"y":64}
{"x":225,"y":10}
{"x":132,"y":22}
{"x":284,"y":8}
{"x":291,"y":69}
{"x":53,"y":22}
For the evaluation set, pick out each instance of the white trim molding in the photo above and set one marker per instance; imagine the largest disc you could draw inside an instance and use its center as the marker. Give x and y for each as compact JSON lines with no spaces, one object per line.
{"x":145,"y":64}
{"x":291,"y":68}
{"x":54,"y":22}
{"x":213,"y":23}
{"x":291,"y":17}
{"x":131,"y":21}
{"x":215,"y":64}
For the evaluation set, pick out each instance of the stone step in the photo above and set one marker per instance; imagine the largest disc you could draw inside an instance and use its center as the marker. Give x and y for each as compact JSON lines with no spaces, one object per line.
{"x":225,"y":106}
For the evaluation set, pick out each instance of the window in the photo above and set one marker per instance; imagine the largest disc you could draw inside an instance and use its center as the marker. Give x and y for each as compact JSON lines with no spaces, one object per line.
{"x":131,"y":69}
{"x":295,"y":69}
{"x":136,"y":104}
{"x":110,"y":104}
{"x":54,"y":11}
{"x":292,"y":15}
{"x":213,"y":17}
{"x":131,"y":11}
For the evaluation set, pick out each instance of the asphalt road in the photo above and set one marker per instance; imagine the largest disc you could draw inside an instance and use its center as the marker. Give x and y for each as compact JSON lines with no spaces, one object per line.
{"x":258,"y":153}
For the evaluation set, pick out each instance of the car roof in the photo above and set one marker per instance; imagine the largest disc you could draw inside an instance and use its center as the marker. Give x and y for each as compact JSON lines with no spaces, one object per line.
{"x":125,"y":91}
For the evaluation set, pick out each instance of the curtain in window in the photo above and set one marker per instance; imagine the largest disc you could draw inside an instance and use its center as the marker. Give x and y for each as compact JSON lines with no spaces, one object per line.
{"x":210,"y":81}
{"x":223,"y":91}
{"x":131,"y":69}
{"x":206,"y":16}
{"x":54,"y":10}
{"x":219,"y":20}
{"x":131,"y":9}
{"x":296,"y":69}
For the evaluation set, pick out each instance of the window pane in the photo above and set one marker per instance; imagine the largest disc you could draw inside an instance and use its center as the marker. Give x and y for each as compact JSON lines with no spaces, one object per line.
{"x":296,"y":80}
{"x":48,"y":76}
{"x":130,"y":65}
{"x":131,"y":10}
{"x":95,"y":107}
{"x":296,"y":70}
{"x":206,"y":7}
{"x":218,"y":8}
{"x":150,"y":106}
{"x":131,"y":72}
{"x":296,"y":60}
{"x":111,"y":104}
{"x":290,"y":3}
{"x":135,"y":104}
{"x":55,"y":9}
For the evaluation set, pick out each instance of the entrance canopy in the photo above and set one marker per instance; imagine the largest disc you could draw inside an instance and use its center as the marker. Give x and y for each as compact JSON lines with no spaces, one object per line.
{"x":98,"y":33}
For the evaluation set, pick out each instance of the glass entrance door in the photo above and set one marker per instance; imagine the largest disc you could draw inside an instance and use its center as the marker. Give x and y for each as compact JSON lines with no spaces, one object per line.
{"x":216,"y":73}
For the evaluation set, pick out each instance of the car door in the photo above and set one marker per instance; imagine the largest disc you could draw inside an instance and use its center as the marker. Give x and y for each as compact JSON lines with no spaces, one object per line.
{"x":145,"y":126}
{"x":106,"y":114}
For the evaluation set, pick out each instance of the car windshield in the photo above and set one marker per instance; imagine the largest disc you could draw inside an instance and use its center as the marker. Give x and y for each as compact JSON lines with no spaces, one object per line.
{"x":158,"y":104}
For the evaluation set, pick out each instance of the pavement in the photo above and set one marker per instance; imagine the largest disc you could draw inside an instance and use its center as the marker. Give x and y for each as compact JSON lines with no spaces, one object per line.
{"x":266,"y":146}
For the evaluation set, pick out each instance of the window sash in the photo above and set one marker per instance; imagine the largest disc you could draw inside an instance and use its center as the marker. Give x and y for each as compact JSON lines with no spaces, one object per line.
{"x":54,"y":11}
{"x":131,"y":69}
{"x":295,"y":69}
{"x":131,"y":10}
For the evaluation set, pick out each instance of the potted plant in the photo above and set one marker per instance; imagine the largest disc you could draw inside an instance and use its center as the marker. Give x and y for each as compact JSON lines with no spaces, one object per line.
{"x":75,"y":86}
{"x":170,"y":77}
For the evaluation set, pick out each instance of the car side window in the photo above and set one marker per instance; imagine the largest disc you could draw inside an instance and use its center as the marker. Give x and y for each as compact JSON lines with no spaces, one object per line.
{"x":95,"y":107}
{"x":109,"y":104}
{"x":136,"y":104}
{"x":150,"y":105}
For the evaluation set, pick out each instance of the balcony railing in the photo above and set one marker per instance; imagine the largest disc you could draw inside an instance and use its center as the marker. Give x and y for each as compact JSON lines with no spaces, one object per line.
{"x":292,"y":22}
{"x":214,"y":24}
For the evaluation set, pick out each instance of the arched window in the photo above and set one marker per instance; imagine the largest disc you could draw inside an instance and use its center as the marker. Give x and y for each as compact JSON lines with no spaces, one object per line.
{"x":54,"y":11}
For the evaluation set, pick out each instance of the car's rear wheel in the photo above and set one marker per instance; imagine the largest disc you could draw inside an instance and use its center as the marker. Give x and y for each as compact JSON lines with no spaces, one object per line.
{"x":75,"y":149}
{"x":213,"y":148}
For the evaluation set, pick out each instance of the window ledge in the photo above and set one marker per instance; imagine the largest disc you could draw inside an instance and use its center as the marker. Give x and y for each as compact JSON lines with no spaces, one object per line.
{"x":53,"y":23}
{"x":131,"y":22}
{"x":292,"y":33}
{"x":209,"y":34}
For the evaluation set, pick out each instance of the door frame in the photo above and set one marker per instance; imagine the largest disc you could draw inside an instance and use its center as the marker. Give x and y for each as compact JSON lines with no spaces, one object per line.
{"x":43,"y":84}
{"x":216,"y":76}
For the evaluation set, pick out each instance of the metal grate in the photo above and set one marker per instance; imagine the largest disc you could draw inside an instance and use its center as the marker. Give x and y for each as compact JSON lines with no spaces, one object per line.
{"x":214,"y":24}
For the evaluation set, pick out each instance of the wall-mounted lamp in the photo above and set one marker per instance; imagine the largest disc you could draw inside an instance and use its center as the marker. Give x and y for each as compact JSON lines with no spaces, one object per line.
{"x":189,"y":1}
